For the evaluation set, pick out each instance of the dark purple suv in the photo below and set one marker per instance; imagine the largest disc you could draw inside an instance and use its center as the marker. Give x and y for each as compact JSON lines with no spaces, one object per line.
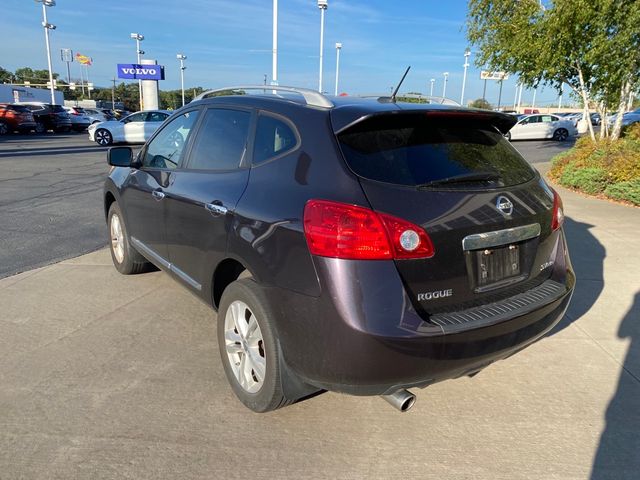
{"x":364,"y":246}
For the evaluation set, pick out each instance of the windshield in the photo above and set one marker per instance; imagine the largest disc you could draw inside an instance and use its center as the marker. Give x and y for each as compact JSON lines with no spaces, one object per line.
{"x":416,"y":150}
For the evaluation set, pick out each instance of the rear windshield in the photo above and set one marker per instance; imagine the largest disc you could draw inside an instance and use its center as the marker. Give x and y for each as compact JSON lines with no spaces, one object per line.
{"x":18,"y":108}
{"x":414,"y":150}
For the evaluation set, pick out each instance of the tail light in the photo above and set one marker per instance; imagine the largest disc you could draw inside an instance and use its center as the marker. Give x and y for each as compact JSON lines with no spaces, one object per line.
{"x":340,"y":230}
{"x":558,"y":212}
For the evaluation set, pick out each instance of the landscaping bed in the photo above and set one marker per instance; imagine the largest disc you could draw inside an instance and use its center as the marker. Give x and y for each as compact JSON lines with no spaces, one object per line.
{"x":606,"y":168}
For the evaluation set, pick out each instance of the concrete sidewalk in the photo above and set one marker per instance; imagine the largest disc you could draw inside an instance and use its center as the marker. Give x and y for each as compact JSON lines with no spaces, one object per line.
{"x":104,"y":377}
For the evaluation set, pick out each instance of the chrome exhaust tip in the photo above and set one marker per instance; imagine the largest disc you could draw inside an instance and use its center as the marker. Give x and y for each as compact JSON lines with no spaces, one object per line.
{"x":402,"y":399}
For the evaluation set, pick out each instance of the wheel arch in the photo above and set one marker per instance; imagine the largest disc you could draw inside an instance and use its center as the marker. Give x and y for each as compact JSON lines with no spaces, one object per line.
{"x":228,"y":270}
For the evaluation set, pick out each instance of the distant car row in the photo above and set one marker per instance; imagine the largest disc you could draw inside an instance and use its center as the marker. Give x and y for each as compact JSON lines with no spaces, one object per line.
{"x":24,"y":117}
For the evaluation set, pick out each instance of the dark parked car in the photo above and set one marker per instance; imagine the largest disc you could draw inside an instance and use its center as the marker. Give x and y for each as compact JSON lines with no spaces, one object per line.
{"x":15,"y":118}
{"x":49,"y":117}
{"x":355,"y":245}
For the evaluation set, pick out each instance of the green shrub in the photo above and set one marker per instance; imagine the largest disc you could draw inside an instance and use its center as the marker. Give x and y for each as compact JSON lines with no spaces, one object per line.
{"x":628,"y":191}
{"x":591,"y":180}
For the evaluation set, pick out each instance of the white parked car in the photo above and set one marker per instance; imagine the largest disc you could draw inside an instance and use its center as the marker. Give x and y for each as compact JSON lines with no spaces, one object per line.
{"x":135,"y":128}
{"x":542,"y":126}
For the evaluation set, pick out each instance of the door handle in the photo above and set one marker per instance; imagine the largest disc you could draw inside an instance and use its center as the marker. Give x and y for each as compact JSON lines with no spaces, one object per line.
{"x":158,"y":194}
{"x":215,"y":209}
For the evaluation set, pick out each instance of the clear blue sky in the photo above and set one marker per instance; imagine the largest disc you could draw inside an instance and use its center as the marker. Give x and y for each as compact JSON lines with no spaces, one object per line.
{"x":229,"y":42}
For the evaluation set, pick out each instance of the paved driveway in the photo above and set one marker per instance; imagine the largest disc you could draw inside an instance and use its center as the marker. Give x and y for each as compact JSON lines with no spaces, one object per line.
{"x":111,"y":377}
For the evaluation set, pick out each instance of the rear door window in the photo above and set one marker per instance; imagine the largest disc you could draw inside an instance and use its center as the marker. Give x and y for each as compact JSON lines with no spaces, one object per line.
{"x":221,"y":141}
{"x":414,"y":150}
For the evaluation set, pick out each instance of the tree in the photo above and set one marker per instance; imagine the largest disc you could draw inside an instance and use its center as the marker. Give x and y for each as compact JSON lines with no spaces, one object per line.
{"x":34,"y":76}
{"x":5,"y":76}
{"x":481,"y":103}
{"x":581,"y":43}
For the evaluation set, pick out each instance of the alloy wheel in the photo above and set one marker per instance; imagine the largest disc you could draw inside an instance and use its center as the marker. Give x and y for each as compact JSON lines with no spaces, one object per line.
{"x":244,"y":346}
{"x":103,"y":137}
{"x":117,"y":238}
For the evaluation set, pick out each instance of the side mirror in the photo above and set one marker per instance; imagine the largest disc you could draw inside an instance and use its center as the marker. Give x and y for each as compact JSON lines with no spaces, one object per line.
{"x":120,"y":156}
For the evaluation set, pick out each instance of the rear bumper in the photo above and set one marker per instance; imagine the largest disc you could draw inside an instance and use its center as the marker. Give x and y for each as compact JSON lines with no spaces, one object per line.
{"x":362,"y":336}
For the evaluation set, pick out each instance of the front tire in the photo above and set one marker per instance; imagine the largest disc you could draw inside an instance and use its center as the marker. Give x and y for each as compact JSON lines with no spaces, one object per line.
{"x":4,"y":129}
{"x":560,"y":135}
{"x":249,"y":347}
{"x":40,"y":127}
{"x":103,"y":137}
{"x":125,"y":258}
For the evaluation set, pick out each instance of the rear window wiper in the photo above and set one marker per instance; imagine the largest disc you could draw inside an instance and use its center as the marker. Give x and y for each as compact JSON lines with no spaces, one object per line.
{"x":470,"y":177}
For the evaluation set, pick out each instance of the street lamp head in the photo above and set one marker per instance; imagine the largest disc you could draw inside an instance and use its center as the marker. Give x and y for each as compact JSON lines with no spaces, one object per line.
{"x":181,"y":56}
{"x":338,"y":45}
{"x":446,"y":74}
{"x":137,"y":36}
{"x":47,"y":3}
{"x":323,"y":4}
{"x":433,"y":80}
{"x":50,"y":26}
{"x":467,"y":52}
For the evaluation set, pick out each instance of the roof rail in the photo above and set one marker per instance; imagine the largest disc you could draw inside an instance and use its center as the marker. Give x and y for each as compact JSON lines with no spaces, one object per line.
{"x":311,"y":97}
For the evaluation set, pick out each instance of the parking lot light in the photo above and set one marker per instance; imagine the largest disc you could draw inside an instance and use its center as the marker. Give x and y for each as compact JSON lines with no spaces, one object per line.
{"x":444,"y":88}
{"x":47,"y":26}
{"x":182,"y":58}
{"x":338,"y":48}
{"x":138,"y":37}
{"x":433,"y":80}
{"x":467,"y":54}
{"x":322,"y":5}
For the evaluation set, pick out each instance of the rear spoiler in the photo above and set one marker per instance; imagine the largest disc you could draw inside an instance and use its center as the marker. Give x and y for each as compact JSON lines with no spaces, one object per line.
{"x":501,"y":121}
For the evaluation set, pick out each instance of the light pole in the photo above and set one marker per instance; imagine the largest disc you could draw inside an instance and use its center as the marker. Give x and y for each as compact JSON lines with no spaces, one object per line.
{"x":47,"y":26}
{"x":322,"y":5}
{"x":182,"y":58}
{"x":467,"y":54}
{"x":560,"y":97}
{"x":444,"y":88}
{"x":274,"y":55}
{"x":338,"y":48}
{"x":433,"y":80}
{"x":138,"y":37}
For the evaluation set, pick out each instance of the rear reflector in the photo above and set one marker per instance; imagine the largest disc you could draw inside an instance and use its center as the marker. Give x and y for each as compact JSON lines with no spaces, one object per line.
{"x":339,"y":230}
{"x":558,"y":212}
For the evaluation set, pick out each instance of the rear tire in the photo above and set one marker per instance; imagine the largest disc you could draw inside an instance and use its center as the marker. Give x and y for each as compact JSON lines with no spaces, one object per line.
{"x":4,"y":129}
{"x":249,"y":347}
{"x":40,"y":128}
{"x":125,"y":258}
{"x":103,"y":137}
{"x":560,"y":135}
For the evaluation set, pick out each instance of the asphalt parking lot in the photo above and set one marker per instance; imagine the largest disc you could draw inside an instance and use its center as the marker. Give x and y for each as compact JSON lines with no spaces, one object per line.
{"x":105,"y":376}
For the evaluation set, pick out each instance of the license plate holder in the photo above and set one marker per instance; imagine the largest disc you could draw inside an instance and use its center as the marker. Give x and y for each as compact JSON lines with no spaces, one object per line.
{"x":496,"y":265}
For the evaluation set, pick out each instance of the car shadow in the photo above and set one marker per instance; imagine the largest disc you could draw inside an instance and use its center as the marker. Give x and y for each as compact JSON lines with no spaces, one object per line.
{"x":587,"y":255}
{"x":618,"y":455}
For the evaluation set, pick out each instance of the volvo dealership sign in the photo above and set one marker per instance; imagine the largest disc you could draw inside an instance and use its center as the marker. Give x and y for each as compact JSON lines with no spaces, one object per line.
{"x":140,"y":72}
